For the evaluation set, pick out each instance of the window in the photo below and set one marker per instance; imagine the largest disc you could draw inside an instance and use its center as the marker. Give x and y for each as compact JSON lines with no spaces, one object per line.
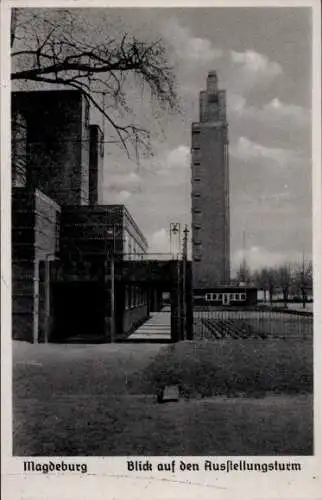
{"x":195,"y":131}
{"x":197,"y":179}
{"x":197,"y":226}
{"x":231,"y":296}
{"x":208,"y":297}
{"x":213,"y":98}
{"x":243,"y":296}
{"x":196,"y":163}
{"x":195,"y":148}
{"x":197,"y":259}
{"x":197,"y":210}
{"x":196,"y":195}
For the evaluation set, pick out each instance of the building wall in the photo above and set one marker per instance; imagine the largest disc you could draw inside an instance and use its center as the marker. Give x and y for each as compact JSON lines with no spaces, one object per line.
{"x":96,"y":165}
{"x":34,"y":241}
{"x":23,"y":267}
{"x":57,"y":143}
{"x":47,"y":227}
{"x":134,"y":243}
{"x":88,"y":235}
{"x":46,"y":243}
{"x":210,"y":190}
{"x":132,"y":318}
{"x":87,"y":231}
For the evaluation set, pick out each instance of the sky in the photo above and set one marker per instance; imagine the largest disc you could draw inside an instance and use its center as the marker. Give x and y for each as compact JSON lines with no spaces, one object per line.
{"x":263,"y":60}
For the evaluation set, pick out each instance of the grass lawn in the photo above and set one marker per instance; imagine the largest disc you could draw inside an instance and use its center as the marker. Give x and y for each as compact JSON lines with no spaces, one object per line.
{"x":249,"y":367}
{"x":94,"y":400}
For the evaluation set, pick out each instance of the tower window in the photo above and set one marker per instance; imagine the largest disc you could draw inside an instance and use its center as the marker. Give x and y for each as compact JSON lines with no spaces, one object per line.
{"x":213,"y":98}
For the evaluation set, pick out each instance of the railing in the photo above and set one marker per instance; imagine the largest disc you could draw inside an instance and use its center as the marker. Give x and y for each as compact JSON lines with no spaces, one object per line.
{"x":150,"y":256}
{"x":218,"y":324}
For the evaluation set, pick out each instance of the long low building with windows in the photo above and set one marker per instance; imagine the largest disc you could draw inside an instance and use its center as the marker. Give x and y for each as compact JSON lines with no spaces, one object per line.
{"x":237,"y":296}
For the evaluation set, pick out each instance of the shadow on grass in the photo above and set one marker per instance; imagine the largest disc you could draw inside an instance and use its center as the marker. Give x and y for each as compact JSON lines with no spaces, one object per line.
{"x":250,"y":368}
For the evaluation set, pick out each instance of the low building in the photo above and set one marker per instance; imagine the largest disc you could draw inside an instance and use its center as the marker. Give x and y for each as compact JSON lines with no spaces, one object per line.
{"x":94,"y":243}
{"x":66,"y":245}
{"x":66,"y":263}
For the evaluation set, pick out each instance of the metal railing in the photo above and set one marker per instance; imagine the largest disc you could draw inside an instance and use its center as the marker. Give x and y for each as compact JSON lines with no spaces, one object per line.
{"x":218,"y":324}
{"x":149,"y":256}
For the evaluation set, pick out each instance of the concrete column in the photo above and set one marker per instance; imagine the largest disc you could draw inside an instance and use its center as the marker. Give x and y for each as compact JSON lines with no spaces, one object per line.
{"x":47,"y":300}
{"x":36,"y":302}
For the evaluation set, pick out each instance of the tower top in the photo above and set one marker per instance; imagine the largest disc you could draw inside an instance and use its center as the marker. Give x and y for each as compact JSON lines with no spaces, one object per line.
{"x":212,"y":81}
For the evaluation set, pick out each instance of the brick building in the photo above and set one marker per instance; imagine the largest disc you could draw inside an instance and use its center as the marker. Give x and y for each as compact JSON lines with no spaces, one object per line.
{"x":66,"y":245}
{"x":210,"y":189}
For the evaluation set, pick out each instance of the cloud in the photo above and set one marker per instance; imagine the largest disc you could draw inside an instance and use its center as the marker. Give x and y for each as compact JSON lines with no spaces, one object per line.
{"x":272,"y":114}
{"x":120,"y":186}
{"x":255,"y":66}
{"x":189,"y":48}
{"x":247,"y":150}
{"x":159,"y":241}
{"x":173,"y":167}
{"x":122,"y":196}
{"x":258,"y":257}
{"x":296,"y":115}
{"x":178,"y":157}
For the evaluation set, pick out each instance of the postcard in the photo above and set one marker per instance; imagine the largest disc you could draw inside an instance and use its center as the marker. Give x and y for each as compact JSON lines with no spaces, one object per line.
{"x":161,"y":249}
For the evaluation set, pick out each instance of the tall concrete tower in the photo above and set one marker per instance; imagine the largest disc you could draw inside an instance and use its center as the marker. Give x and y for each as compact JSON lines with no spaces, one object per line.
{"x":210,"y":189}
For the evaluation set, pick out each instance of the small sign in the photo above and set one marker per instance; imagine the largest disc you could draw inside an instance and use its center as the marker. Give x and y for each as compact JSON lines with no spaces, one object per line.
{"x":168,"y":394}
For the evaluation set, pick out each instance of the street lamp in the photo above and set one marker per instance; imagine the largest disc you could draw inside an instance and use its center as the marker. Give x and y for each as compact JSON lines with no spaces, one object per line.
{"x":175,"y":231}
{"x":184,"y":278}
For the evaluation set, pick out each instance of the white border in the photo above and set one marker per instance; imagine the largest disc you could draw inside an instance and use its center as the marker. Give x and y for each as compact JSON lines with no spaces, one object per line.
{"x":108,"y":477}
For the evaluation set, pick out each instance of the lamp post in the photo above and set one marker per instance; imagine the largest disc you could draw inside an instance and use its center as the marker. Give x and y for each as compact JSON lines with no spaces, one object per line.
{"x":184,"y":279}
{"x":175,"y":231}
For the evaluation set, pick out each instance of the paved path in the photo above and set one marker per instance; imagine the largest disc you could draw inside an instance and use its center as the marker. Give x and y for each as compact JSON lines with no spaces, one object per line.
{"x":156,"y":329}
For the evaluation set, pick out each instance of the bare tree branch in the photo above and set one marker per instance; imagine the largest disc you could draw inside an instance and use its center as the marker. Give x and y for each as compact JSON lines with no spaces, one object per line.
{"x":54,"y":56}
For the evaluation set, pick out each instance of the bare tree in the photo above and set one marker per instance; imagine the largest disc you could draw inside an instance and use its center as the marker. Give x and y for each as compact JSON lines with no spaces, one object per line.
{"x":304,"y":280}
{"x":244,"y":274}
{"x":284,"y":279}
{"x":265,"y":279}
{"x":260,"y":282}
{"x":52,"y":47}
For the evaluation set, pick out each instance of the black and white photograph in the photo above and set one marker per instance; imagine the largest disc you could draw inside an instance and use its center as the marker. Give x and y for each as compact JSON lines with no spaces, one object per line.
{"x":162,"y":261}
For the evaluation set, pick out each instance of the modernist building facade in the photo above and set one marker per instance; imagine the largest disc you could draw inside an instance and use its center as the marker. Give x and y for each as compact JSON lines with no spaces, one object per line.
{"x":210,"y":190}
{"x":66,"y":245}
